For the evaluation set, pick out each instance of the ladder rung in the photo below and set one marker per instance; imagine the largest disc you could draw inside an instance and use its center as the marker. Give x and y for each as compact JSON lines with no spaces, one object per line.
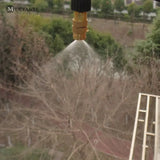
{"x":146,"y":146}
{"x":141,"y":110}
{"x":150,"y":134}
{"x":141,"y":120}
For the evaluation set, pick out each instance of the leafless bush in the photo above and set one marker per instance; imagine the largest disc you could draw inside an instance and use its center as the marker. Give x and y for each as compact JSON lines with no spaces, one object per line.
{"x":61,"y":103}
{"x":20,"y":48}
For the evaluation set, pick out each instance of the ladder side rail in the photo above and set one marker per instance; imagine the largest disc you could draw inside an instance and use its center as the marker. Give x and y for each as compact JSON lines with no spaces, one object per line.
{"x":145,"y":128}
{"x":151,"y":95}
{"x":135,"y":128}
{"x":157,"y":110}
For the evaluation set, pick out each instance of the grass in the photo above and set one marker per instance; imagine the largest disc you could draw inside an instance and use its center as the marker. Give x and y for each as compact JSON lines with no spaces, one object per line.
{"x":20,"y":152}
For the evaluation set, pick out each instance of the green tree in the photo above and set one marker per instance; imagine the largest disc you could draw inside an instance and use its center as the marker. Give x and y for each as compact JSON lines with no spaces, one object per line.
{"x":58,"y":34}
{"x":151,"y":46}
{"x":133,"y":10}
{"x":61,"y":27}
{"x":49,"y":28}
{"x":107,"y":7}
{"x":107,"y":47}
{"x":32,"y":1}
{"x":96,"y":4}
{"x":119,"y":5}
{"x":41,"y":4}
{"x":148,"y":6}
{"x":50,"y":4}
{"x":58,"y":44}
{"x":59,"y":4}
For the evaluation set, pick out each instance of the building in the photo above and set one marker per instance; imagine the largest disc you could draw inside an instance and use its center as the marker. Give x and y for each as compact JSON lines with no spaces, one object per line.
{"x":140,"y":2}
{"x":24,"y":2}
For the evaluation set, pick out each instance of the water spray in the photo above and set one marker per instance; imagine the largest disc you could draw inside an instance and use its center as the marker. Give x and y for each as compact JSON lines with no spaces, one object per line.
{"x":80,"y":8}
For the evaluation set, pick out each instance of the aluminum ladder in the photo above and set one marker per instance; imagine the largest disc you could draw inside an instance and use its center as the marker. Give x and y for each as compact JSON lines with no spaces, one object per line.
{"x":145,"y":122}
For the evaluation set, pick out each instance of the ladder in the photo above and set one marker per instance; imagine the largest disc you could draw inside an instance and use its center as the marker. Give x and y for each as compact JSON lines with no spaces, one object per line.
{"x":142,"y":119}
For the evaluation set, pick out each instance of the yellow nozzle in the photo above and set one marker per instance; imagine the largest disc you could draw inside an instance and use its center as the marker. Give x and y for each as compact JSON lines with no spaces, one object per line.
{"x":80,"y":25}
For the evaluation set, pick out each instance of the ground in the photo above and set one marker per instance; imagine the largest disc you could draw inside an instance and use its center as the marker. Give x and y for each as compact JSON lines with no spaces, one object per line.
{"x":124,"y":32}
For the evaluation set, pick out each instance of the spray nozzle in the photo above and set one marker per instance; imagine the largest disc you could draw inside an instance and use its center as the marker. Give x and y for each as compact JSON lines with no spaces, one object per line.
{"x":79,"y":25}
{"x":80,"y":18}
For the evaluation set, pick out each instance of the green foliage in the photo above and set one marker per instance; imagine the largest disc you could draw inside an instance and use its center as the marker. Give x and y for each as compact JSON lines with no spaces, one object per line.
{"x":126,"y":17}
{"x":48,"y":7}
{"x":119,"y":5}
{"x":51,"y":29}
{"x":58,"y":4}
{"x":58,"y":34}
{"x":35,"y":21}
{"x":151,"y":46}
{"x":155,"y":35}
{"x":14,"y":152}
{"x":147,"y":47}
{"x":106,"y":46}
{"x":133,"y":10}
{"x":61,"y":27}
{"x":50,"y":4}
{"x":107,"y":7}
{"x":31,"y":1}
{"x":148,"y":6}
{"x":96,"y":4}
{"x":58,"y":43}
{"x":41,"y":4}
{"x":130,"y":32}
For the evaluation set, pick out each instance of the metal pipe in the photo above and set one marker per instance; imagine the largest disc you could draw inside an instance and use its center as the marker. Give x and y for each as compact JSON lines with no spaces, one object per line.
{"x":80,"y":25}
{"x":80,"y":8}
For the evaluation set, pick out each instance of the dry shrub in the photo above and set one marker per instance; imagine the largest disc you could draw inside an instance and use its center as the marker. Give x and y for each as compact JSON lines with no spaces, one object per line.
{"x":20,"y":48}
{"x":61,"y":102}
